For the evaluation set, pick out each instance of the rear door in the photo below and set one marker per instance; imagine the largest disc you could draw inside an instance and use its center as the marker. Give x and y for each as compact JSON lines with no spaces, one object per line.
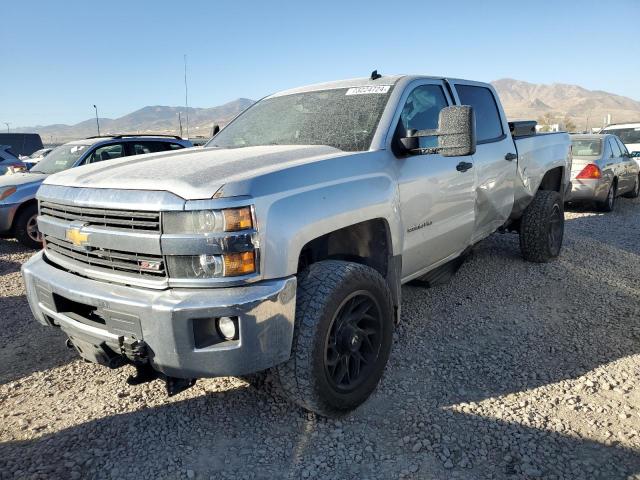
{"x":618,"y":165}
{"x":436,"y":199}
{"x":495,"y":160}
{"x":629,"y":165}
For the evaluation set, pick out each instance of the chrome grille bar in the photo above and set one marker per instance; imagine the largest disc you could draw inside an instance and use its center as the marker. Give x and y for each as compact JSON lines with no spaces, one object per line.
{"x":120,"y":219}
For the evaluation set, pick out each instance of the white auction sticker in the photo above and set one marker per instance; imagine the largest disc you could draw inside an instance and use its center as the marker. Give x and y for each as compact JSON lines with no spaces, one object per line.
{"x":368,"y":89}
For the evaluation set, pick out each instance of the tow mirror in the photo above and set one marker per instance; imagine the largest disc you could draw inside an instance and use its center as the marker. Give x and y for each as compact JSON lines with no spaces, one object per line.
{"x":456,"y":134}
{"x":215,"y":130}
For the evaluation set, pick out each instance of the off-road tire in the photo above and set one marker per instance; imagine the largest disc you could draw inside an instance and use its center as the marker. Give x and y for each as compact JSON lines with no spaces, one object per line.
{"x":537,"y":243}
{"x":635,"y":193}
{"x":20,"y":226}
{"x":322,"y":290}
{"x":610,"y":202}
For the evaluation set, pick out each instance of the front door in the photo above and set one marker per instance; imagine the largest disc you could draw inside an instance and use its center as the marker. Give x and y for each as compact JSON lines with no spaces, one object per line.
{"x":436,"y":194}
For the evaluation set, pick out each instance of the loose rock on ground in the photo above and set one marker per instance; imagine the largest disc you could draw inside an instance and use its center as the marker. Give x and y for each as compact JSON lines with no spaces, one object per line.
{"x":512,"y":370}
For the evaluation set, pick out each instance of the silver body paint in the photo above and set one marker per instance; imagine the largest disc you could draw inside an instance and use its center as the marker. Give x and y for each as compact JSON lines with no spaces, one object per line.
{"x":299,"y":193}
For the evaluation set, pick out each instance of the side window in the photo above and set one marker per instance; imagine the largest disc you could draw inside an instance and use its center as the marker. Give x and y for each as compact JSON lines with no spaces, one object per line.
{"x":623,"y":147}
{"x":488,"y":121}
{"x":175,"y":146}
{"x":615,"y":149}
{"x":108,"y":152}
{"x":422,"y":109}
{"x":140,"y":148}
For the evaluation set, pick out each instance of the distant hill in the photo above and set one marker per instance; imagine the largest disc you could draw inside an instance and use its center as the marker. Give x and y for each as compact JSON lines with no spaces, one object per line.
{"x":151,"y":119}
{"x":523,"y":100}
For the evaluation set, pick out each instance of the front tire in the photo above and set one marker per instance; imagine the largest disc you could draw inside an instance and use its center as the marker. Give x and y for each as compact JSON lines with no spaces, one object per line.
{"x":542,"y":227}
{"x":26,"y":227}
{"x":342,"y":338}
{"x":635,"y":193}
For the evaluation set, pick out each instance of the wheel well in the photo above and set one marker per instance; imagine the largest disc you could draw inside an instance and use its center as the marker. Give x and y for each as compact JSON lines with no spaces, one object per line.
{"x":21,"y":208}
{"x":552,"y":180}
{"x":367,"y":242}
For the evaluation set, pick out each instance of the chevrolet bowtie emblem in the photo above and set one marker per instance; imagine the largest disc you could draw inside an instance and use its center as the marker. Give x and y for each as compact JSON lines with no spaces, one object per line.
{"x":75,"y":236}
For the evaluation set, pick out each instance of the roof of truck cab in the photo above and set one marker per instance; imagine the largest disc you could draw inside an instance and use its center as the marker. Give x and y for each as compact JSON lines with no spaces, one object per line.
{"x":359,"y":82}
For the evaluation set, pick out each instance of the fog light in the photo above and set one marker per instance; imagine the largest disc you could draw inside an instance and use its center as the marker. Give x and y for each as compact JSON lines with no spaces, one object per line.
{"x":227,"y":327}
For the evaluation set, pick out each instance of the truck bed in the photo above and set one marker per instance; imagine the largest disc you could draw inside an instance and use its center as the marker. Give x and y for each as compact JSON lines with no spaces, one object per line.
{"x":537,"y":154}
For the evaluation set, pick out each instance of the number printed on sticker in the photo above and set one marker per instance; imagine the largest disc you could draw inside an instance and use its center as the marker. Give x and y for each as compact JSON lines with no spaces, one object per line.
{"x":380,"y":89}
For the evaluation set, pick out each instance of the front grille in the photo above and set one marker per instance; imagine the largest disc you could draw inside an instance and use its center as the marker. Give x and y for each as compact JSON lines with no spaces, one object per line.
{"x":137,"y":264}
{"x":104,"y":217}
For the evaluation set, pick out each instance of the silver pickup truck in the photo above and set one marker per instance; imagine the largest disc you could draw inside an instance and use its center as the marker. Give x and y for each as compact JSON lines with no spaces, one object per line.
{"x":281,"y":246}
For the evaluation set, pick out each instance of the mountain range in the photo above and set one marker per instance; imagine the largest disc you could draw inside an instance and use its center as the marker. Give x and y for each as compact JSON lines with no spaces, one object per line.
{"x":521,"y":100}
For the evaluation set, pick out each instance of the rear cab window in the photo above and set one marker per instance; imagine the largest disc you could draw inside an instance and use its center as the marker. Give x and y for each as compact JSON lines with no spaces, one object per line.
{"x":488,"y":120}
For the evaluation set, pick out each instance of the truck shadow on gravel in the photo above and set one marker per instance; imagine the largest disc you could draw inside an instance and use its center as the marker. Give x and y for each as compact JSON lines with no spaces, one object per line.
{"x":25,"y":346}
{"x":483,"y":376}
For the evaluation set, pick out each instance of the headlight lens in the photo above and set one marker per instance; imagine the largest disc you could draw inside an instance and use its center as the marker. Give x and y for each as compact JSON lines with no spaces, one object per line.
{"x":211,"y":266}
{"x":7,"y":191}
{"x":207,"y":221}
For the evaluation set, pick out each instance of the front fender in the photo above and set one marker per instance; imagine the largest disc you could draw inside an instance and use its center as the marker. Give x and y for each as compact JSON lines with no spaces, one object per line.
{"x":296,"y":219}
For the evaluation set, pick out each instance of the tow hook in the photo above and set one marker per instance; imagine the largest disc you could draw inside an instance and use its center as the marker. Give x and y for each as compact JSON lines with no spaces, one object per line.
{"x":145,"y":373}
{"x":177,"y":385}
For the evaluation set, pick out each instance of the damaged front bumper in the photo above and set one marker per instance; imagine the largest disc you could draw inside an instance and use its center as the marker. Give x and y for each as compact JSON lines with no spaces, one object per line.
{"x":172,"y":331}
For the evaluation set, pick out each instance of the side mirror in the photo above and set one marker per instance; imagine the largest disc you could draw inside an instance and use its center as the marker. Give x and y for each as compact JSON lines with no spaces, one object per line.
{"x":456,"y":133}
{"x":215,"y":130}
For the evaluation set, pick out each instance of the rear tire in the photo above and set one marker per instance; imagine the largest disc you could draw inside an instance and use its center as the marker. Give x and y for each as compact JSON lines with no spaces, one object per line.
{"x":610,"y":202}
{"x":635,"y":193}
{"x":342,"y":338}
{"x":25,"y":227}
{"x":542,"y":227}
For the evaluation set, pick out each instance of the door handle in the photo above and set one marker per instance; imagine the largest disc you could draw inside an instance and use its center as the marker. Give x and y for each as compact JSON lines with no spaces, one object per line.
{"x":510,"y":156}
{"x":464,"y":166}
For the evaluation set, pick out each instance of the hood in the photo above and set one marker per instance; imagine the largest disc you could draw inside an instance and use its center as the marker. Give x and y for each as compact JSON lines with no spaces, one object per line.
{"x":18,"y":179}
{"x":192,"y":173}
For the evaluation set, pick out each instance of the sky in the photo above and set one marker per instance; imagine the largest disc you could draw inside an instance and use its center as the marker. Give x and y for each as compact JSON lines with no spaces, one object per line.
{"x":59,"y":58}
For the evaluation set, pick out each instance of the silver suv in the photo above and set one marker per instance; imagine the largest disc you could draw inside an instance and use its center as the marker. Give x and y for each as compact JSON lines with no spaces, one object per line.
{"x":18,"y":205}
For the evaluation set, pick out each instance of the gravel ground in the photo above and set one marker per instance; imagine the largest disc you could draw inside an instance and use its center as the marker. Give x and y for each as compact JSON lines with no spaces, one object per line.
{"x":512,"y":370}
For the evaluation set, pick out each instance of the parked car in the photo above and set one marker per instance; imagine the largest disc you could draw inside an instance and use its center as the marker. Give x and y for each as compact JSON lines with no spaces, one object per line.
{"x":629,"y":134}
{"x":602,"y":170}
{"x":35,"y":157}
{"x":18,"y":206}
{"x":10,"y":161}
{"x":283,"y":243}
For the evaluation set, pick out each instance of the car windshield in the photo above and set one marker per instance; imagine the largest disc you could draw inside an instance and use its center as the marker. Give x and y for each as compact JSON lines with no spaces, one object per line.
{"x":591,"y":147}
{"x":344,"y":118}
{"x":60,"y":158}
{"x":626,"y":135}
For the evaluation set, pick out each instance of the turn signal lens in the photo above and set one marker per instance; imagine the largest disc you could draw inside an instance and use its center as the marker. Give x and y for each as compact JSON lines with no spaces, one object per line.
{"x":239,"y":264}
{"x":6,"y":192}
{"x":237,"y":219}
{"x":591,"y":171}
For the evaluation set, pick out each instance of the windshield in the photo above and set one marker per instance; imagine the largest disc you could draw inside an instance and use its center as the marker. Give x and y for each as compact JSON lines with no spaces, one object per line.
{"x":60,"y":158}
{"x":626,"y":135}
{"x":591,"y":147}
{"x":342,"y":118}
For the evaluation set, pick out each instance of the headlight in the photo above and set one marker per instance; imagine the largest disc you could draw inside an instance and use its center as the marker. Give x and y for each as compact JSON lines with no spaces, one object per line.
{"x":206,"y":221}
{"x":7,"y":191}
{"x":211,"y":266}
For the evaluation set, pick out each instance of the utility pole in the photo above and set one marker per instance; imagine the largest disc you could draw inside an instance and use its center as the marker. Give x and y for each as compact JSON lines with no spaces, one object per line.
{"x":186,"y":93}
{"x":7,"y":124}
{"x":180,"y":122}
{"x":97,"y":121}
